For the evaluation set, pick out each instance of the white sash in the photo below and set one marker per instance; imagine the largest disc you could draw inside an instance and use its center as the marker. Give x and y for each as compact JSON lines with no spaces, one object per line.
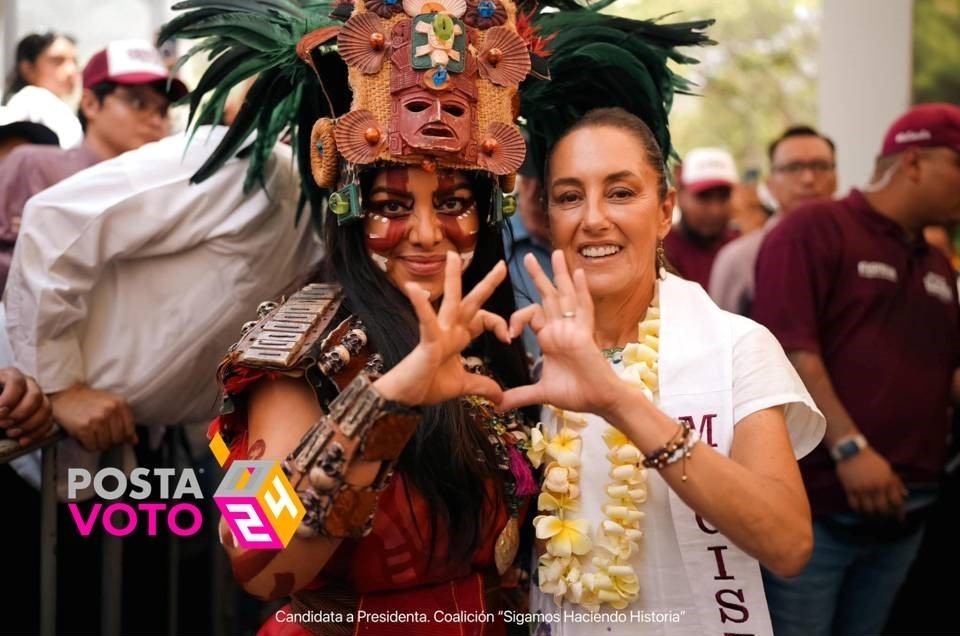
{"x":696,"y":381}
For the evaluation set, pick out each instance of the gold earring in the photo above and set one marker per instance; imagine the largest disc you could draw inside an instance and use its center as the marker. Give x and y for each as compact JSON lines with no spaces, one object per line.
{"x":661,"y":261}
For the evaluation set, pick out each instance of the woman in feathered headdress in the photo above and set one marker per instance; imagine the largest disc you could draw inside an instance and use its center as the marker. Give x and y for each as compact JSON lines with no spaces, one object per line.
{"x":376,"y":388}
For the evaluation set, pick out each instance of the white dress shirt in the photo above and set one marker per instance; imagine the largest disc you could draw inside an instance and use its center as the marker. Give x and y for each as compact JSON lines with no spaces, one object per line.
{"x":129,"y":279}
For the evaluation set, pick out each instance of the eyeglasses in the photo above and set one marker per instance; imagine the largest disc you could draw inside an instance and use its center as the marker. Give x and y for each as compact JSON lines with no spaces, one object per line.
{"x":796,"y":168}
{"x":141,"y":104}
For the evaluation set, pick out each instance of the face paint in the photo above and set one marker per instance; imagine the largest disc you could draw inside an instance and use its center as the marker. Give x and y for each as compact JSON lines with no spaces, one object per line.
{"x":382,"y":262}
{"x":391,"y":209}
{"x":397,"y":179}
{"x":461,"y":229}
{"x":383,"y":233}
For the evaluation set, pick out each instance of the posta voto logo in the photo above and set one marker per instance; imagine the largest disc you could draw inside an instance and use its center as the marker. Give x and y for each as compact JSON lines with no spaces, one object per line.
{"x":257,"y":501}
{"x":254,"y":497}
{"x":120,"y":518}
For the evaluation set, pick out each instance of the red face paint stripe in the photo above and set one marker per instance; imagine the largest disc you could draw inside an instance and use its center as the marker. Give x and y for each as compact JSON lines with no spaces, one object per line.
{"x":397,"y":179}
{"x":446,"y":181}
{"x":395,"y":229}
{"x":462,"y":232}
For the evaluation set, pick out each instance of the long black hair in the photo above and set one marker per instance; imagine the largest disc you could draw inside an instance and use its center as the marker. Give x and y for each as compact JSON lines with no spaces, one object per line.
{"x":449,"y":460}
{"x":28,"y":50}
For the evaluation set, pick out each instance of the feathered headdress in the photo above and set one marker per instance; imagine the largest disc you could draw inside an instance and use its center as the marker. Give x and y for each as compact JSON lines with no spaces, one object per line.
{"x":426,"y":82}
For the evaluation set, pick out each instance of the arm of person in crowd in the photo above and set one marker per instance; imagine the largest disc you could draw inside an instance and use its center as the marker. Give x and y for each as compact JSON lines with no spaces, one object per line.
{"x":282,"y":412}
{"x":137,"y":205}
{"x":755,"y":497}
{"x":25,"y":412}
{"x":871,"y":485}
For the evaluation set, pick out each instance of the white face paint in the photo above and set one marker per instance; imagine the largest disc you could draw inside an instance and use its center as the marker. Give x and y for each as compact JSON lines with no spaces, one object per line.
{"x":381,"y":261}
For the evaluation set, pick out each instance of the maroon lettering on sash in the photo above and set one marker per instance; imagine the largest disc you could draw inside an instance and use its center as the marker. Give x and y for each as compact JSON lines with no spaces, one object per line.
{"x":703,"y":526}
{"x":728,"y":604}
{"x":706,"y":427}
{"x":738,"y":634}
{"x":721,"y":567}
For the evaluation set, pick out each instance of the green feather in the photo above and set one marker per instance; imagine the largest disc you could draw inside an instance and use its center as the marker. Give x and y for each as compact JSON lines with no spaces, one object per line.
{"x":602,"y":61}
{"x":248,"y":30}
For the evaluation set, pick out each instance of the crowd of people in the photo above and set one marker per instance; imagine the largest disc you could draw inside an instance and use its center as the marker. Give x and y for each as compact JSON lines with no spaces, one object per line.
{"x":743,"y":416}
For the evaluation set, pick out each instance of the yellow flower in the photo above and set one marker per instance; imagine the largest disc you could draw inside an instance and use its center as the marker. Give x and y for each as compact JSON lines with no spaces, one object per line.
{"x":561,"y":569}
{"x":652,"y":341}
{"x":632,"y":375}
{"x":651,"y":325}
{"x":626,"y":454}
{"x":558,"y":479}
{"x":552,"y":568}
{"x":565,"y":447}
{"x":636,"y":352}
{"x":549,"y":503}
{"x":613,"y":437}
{"x":569,"y":418}
{"x":565,"y":536}
{"x":538,"y":445}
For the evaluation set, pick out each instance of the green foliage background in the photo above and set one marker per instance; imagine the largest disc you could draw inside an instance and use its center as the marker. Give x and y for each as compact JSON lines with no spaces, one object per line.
{"x":936,"y":51}
{"x":759,"y":79}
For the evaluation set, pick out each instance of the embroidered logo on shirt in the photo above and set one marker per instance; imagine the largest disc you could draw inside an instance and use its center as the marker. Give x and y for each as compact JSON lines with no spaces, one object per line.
{"x":936,"y":285}
{"x":874,"y":269}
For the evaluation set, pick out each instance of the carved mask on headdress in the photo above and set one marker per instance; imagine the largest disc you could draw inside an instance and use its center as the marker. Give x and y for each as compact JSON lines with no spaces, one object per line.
{"x":434,"y":121}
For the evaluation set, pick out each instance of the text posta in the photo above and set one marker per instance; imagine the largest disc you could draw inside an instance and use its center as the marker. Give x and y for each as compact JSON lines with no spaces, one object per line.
{"x":121,"y":518}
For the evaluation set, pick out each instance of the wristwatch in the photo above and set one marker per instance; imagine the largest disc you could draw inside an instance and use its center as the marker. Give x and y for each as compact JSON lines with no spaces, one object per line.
{"x":848,"y":447}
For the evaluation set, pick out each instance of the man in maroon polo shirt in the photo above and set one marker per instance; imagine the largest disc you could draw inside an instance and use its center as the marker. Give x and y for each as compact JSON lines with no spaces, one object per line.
{"x":868,"y":314}
{"x":704,"y":196}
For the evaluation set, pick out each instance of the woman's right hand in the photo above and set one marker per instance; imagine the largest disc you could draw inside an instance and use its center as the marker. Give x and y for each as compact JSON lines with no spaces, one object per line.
{"x":574,"y":375}
{"x":433,"y":372}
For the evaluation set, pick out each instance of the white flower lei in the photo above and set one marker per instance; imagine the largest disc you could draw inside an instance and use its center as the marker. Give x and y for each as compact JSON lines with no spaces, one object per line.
{"x":563,"y":570}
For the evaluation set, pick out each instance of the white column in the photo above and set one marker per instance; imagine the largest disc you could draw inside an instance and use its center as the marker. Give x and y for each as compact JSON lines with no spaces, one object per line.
{"x":865,"y":73}
{"x":8,"y":50}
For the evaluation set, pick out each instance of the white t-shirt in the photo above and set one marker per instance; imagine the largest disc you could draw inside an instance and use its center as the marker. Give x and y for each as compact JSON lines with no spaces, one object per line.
{"x":762,"y":378}
{"x":36,"y":104}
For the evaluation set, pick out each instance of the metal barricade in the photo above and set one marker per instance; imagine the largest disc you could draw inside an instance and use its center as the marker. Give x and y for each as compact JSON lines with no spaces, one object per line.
{"x":48,"y":524}
{"x":111,"y":581}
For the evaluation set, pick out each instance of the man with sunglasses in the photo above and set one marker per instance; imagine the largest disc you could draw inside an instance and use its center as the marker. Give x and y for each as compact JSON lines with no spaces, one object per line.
{"x":802,"y":170}
{"x":124,"y":106}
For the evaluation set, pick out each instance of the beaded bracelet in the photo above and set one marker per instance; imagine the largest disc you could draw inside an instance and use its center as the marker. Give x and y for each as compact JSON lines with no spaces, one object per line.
{"x":680,"y":446}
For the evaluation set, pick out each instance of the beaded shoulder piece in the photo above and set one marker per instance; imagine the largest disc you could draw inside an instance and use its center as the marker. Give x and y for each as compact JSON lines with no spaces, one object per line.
{"x":295,"y":337}
{"x":287,"y":335}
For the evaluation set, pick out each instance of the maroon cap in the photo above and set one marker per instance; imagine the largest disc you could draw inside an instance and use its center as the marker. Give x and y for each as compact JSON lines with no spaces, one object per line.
{"x":131,"y":62}
{"x":924,"y":126}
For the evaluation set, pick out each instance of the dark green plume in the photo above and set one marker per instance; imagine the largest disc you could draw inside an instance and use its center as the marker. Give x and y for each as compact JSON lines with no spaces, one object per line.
{"x":258,"y":38}
{"x":600,"y":61}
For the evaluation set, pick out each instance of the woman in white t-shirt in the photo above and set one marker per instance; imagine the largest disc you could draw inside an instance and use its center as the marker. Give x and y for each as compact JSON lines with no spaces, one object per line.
{"x":44,"y":77}
{"x":670,"y":466}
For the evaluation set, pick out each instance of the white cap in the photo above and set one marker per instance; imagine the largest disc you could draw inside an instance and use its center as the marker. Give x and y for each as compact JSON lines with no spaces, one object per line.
{"x":705,"y":168}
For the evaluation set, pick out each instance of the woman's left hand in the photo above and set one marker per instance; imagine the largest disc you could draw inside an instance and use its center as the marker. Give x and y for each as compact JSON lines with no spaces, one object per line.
{"x":433,"y":372}
{"x":575,"y":375}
